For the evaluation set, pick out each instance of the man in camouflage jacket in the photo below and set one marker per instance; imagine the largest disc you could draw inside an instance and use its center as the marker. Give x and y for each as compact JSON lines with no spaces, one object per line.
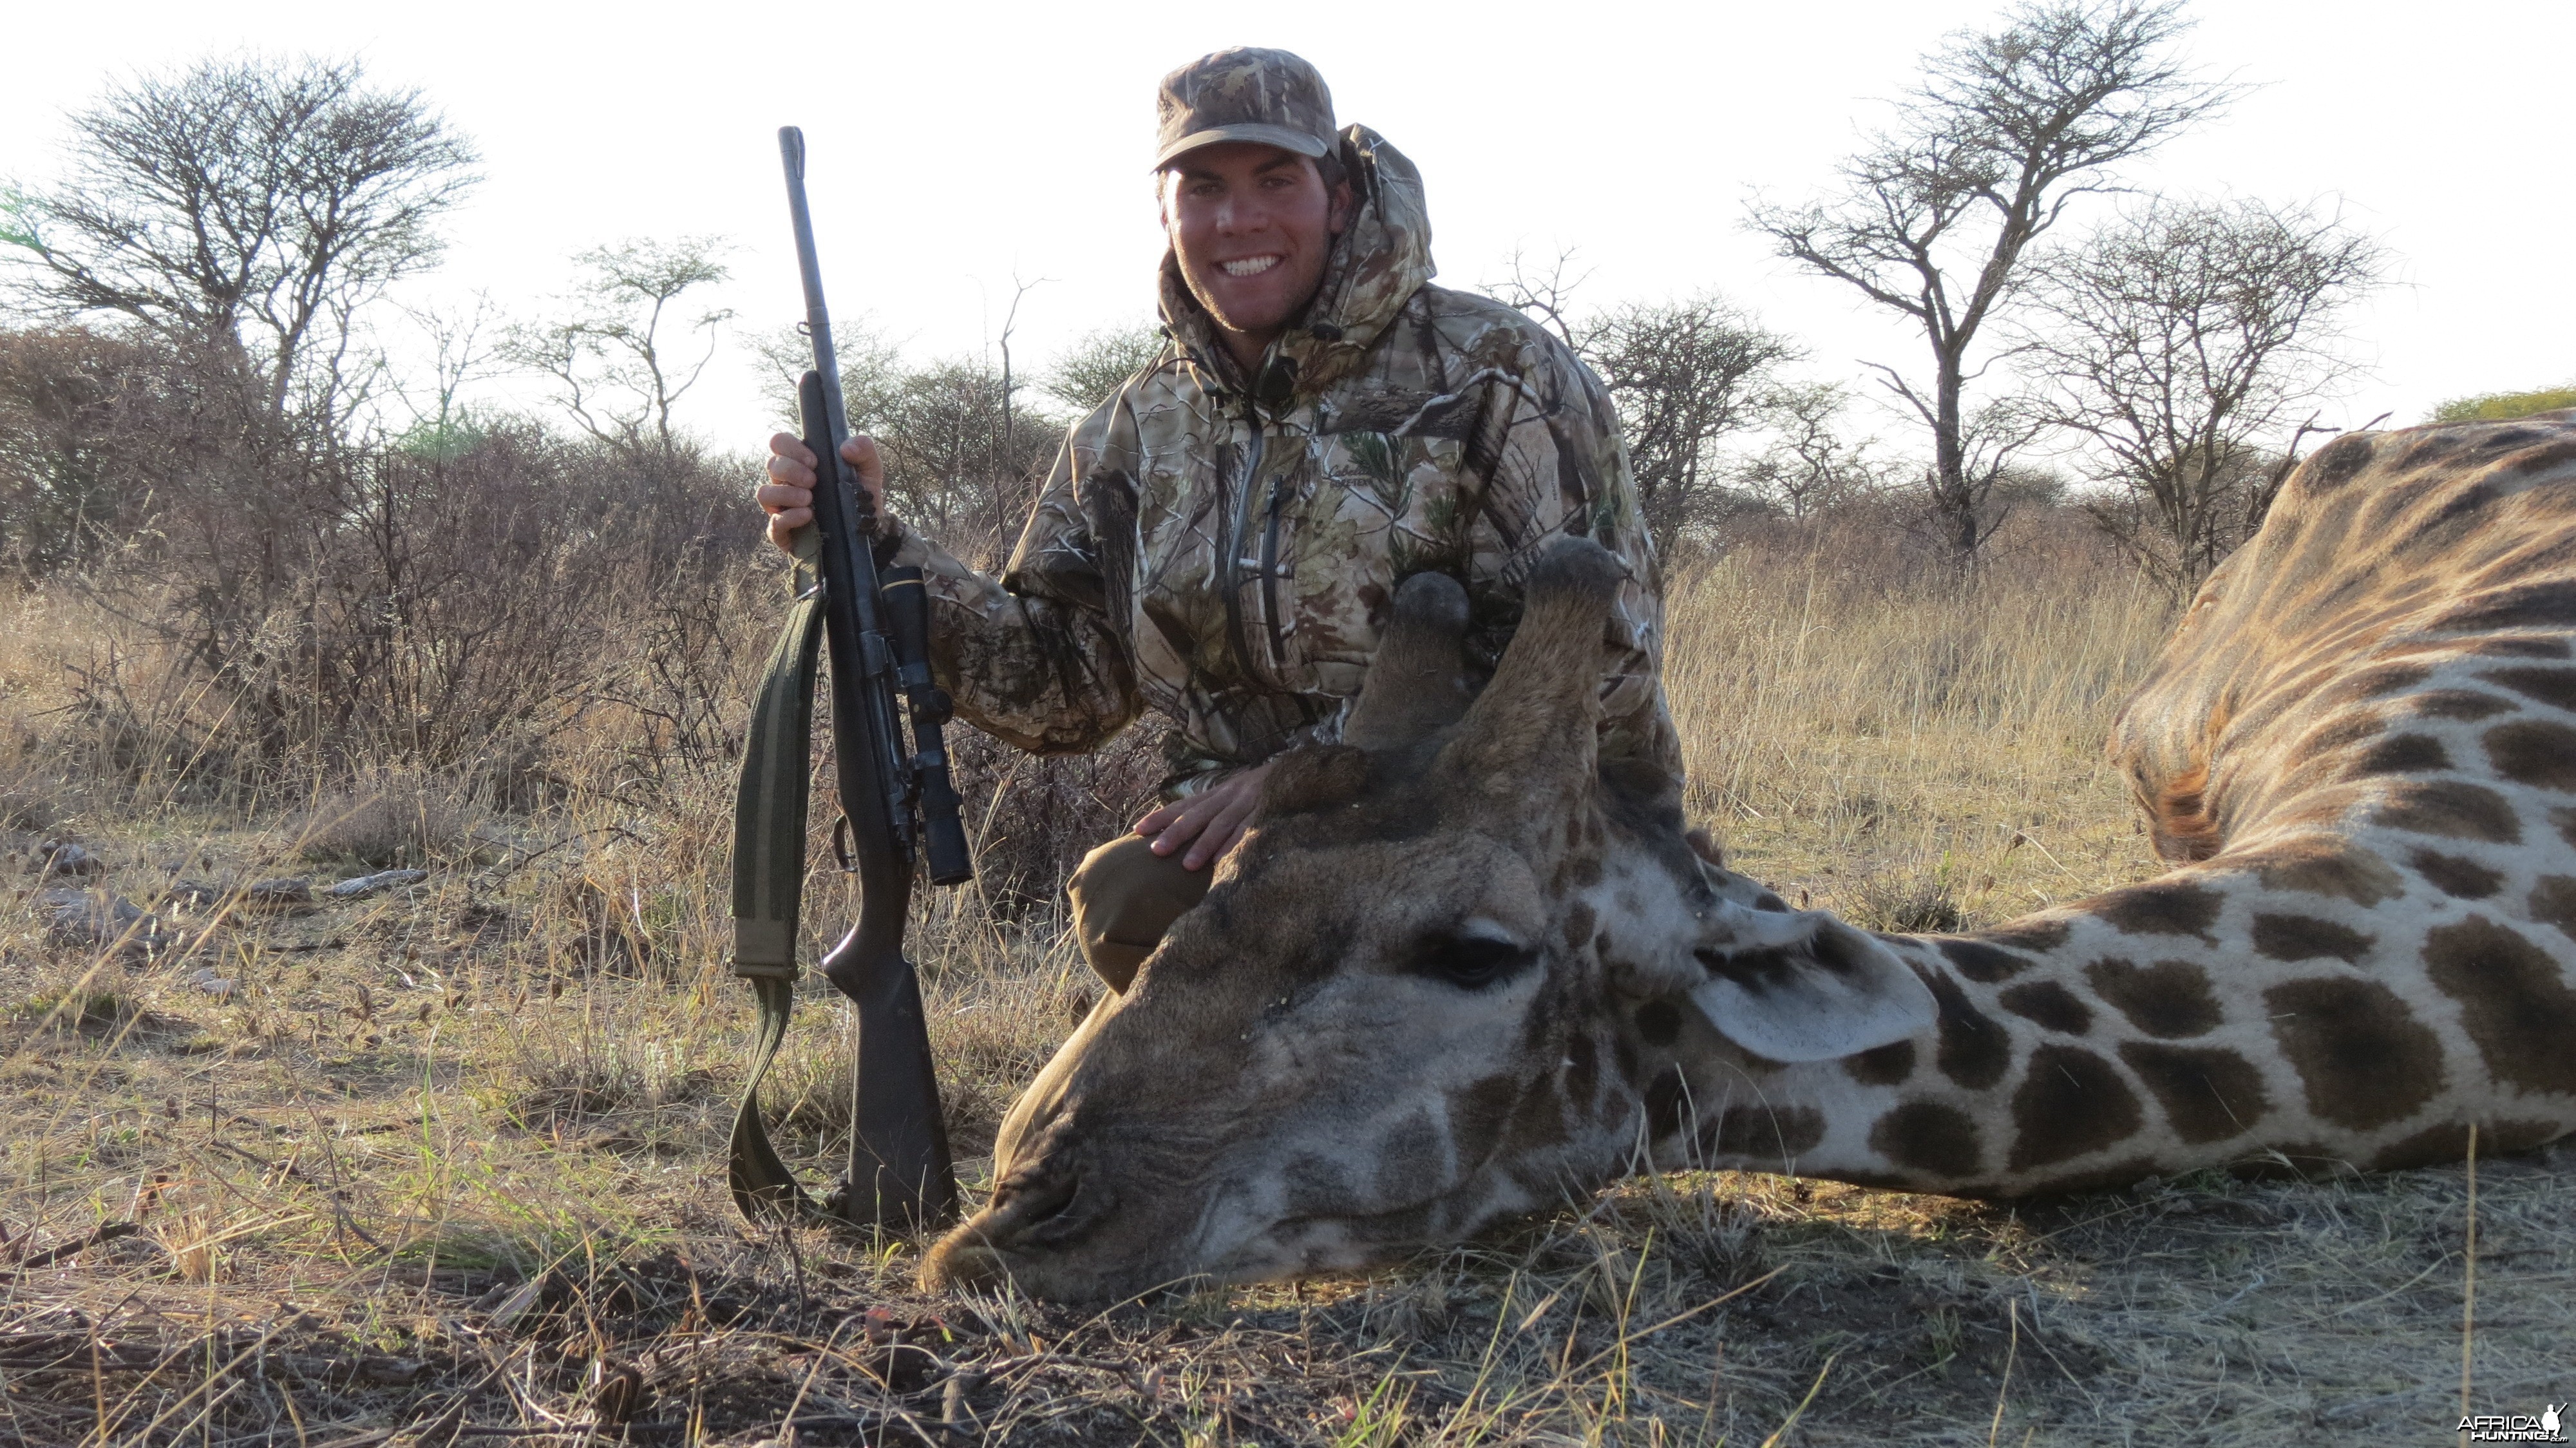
{"x":1221,"y":540}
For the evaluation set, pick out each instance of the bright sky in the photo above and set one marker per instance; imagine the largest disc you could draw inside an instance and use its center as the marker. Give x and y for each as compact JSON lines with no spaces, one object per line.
{"x":955,"y":145}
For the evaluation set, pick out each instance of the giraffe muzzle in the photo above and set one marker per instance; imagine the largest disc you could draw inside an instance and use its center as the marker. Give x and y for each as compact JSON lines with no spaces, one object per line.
{"x":1041,"y":1211}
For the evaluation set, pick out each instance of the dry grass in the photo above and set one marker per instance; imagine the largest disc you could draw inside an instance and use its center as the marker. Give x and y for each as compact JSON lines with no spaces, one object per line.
{"x":387,"y":820}
{"x":444,"y":1165}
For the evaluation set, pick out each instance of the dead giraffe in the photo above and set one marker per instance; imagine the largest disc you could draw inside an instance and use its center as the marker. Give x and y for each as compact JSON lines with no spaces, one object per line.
{"x":1462,"y":968}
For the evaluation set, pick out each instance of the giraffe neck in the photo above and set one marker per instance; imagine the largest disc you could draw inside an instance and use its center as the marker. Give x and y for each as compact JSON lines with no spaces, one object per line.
{"x":2356,"y":998}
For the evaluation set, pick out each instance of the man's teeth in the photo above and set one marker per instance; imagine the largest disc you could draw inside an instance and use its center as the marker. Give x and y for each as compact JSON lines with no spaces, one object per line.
{"x":1250,"y":266}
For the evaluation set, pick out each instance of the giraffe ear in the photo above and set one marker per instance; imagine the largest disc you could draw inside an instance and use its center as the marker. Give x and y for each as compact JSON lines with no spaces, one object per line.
{"x":1803,"y":986}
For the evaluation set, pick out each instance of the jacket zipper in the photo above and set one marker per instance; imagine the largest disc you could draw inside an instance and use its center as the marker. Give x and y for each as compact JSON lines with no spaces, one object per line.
{"x":1270,"y":580}
{"x":1238,"y":636}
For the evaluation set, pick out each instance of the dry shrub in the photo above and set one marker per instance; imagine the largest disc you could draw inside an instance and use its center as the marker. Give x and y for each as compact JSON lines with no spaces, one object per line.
{"x":91,"y":1012}
{"x":596,"y":1075}
{"x":390,"y":820}
{"x":1033,"y":819}
{"x":22,"y":808}
{"x":1906,"y":902}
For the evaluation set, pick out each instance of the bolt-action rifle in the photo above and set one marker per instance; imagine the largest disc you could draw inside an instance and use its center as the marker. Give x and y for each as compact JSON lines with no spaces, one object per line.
{"x":897,"y":805}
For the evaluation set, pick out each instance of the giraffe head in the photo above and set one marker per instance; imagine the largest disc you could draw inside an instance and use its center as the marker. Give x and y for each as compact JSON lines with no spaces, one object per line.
{"x":1444,"y":979}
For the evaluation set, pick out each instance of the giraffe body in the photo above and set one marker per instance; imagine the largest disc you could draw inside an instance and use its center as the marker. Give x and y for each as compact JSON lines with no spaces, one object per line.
{"x":2359,"y":748}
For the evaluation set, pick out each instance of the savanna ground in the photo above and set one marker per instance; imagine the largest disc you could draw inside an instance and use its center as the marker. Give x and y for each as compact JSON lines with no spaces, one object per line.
{"x":443,"y":1164}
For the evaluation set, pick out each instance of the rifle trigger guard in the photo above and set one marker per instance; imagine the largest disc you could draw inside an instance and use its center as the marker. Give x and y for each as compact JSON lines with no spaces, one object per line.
{"x":841,"y":845}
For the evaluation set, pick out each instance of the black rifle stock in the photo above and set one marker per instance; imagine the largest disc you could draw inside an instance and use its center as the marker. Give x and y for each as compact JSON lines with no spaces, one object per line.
{"x":896,"y":804}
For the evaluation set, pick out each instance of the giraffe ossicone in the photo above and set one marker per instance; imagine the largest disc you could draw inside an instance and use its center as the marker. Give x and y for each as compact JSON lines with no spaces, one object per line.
{"x":1464,"y":968}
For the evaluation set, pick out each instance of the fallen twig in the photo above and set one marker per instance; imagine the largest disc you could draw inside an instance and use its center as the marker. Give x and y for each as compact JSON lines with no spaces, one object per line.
{"x":106,"y":1233}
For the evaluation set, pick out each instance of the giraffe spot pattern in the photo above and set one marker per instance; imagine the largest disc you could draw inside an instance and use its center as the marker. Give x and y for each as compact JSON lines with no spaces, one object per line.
{"x":2337,"y":463}
{"x":1541,"y":1119}
{"x":2169,"y":999}
{"x":2554,"y":687}
{"x":1974,"y":1051}
{"x":1579,"y":920}
{"x":2466,"y":704}
{"x":2513,"y":1001}
{"x":1582,"y":1066}
{"x":1659,"y":1023}
{"x":2208,"y":1094}
{"x":2030,"y":935}
{"x":2334,"y":737}
{"x":2519,"y":649}
{"x":1929,"y":1137}
{"x":1767,"y":1132}
{"x":2323,"y":865}
{"x":2553,"y":902}
{"x":2304,"y":937}
{"x":2529,"y":605}
{"x":1887,"y":1065}
{"x":1981,"y":962}
{"x":2452,"y":809}
{"x":2456,"y":876}
{"x":1479,"y":1113}
{"x":2376,"y":681}
{"x":2401,"y":754}
{"x":2070,"y":1102}
{"x":1410,"y":1154}
{"x":2159,"y":909}
{"x":2363,"y":1059}
{"x":2049,"y":1004}
{"x":2536,"y":752}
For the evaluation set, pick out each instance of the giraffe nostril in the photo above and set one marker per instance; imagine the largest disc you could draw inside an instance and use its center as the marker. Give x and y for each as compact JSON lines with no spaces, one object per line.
{"x":1046,"y":1209}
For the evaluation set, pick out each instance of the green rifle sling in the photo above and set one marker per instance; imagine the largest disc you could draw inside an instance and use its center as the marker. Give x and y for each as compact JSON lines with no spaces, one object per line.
{"x":768,"y":890}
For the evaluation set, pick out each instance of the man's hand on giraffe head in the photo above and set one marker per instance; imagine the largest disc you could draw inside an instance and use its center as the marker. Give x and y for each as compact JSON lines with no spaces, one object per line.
{"x":1208,"y":823}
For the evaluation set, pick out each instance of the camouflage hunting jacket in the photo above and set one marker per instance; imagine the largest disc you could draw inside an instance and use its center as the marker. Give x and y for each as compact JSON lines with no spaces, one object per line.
{"x":1226,"y":552}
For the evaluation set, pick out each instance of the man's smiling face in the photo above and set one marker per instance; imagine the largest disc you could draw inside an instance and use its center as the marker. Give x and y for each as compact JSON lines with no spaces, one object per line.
{"x":1253,"y":226}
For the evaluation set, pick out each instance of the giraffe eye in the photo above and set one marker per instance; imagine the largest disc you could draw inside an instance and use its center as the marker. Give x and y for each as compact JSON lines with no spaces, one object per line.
{"x":1471,"y":962}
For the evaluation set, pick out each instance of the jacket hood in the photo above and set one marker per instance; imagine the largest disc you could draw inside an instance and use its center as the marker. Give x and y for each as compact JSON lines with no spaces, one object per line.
{"x":1378,"y":262}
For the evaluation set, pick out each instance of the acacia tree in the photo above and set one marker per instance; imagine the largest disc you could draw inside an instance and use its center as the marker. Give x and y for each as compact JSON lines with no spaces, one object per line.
{"x":244,"y":210}
{"x":626,"y":349}
{"x":1085,"y":375}
{"x":1931,"y":219}
{"x":1684,"y":375}
{"x":2504,"y":406}
{"x":954,"y":461}
{"x":1811,"y":465}
{"x":2181,"y":340}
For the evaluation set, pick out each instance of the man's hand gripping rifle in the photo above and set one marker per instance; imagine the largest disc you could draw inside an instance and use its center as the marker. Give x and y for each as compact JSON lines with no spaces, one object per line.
{"x":894,"y":804}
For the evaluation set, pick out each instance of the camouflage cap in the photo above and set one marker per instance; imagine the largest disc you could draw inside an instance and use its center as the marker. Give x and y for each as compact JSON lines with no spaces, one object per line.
{"x":1246,"y":93}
